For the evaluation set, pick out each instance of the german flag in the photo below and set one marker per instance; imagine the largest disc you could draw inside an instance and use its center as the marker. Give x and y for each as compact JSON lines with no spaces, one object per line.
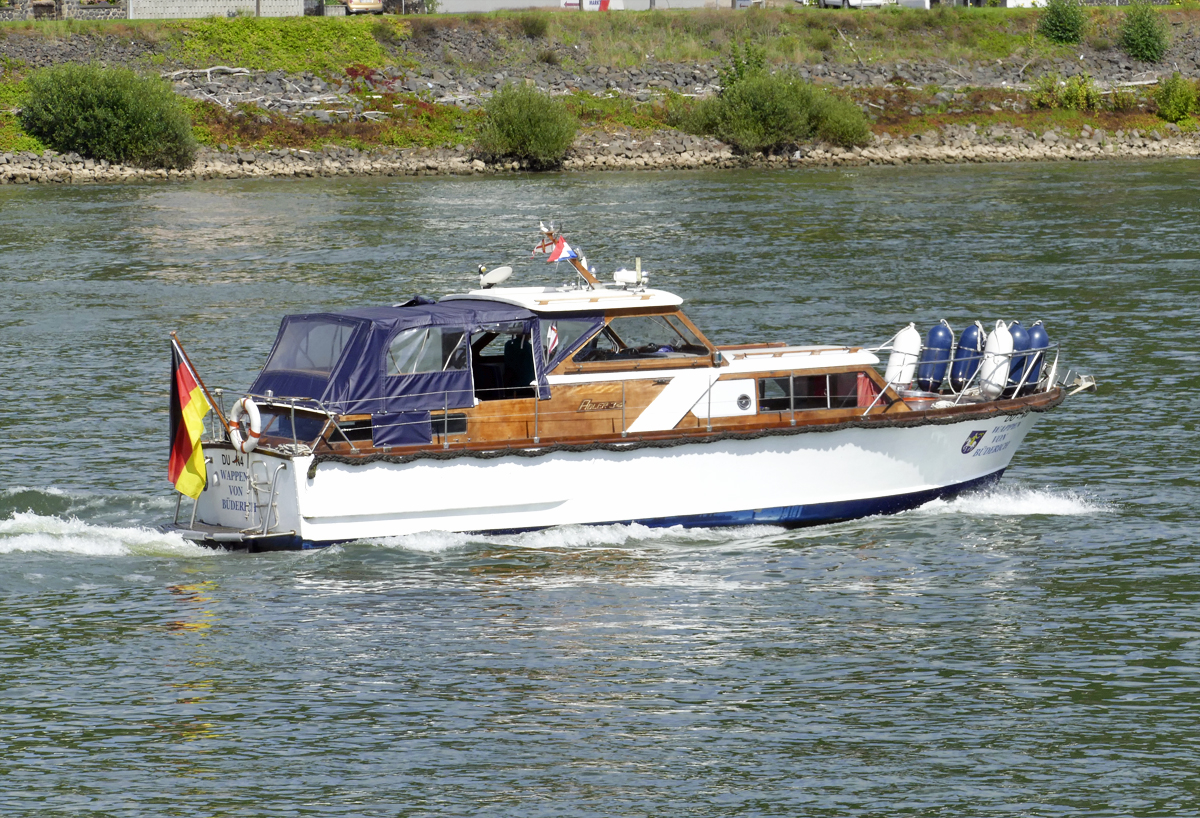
{"x":188,"y":408}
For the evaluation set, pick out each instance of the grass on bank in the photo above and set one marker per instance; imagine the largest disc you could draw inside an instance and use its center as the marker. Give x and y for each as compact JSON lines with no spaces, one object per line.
{"x":788,"y":36}
{"x":798,"y":34}
{"x":417,"y":123}
{"x":323,"y":45}
{"x":998,"y":109}
{"x":292,"y":44}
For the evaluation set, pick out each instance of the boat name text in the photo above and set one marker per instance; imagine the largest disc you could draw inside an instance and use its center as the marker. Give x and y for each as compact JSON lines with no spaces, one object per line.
{"x":999,"y":441}
{"x":589,"y":405}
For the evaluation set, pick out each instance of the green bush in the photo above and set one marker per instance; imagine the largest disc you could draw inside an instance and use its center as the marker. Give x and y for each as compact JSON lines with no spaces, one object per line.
{"x":1078,"y":93}
{"x":109,"y":113}
{"x":528,"y":125}
{"x":1122,"y":99}
{"x":771,"y":112}
{"x":745,"y":62}
{"x":841,"y":122}
{"x":1176,"y":98}
{"x":1062,"y":21}
{"x":764,"y":113}
{"x":1144,"y":33}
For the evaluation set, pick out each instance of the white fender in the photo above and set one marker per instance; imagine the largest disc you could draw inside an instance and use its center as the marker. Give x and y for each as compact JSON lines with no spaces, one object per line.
{"x":247,"y":408}
{"x":997,"y":358}
{"x":902,"y":363}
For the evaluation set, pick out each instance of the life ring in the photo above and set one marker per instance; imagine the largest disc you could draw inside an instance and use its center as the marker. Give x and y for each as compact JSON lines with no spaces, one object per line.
{"x":245,"y":407}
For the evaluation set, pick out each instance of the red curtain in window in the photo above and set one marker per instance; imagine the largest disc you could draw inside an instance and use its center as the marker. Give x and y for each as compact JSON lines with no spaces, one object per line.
{"x":867,"y":391}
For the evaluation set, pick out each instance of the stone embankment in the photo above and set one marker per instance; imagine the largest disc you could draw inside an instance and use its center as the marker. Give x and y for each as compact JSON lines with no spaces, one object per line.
{"x":619,"y":151}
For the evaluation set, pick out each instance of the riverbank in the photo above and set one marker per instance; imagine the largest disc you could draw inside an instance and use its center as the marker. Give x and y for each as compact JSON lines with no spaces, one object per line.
{"x":412,"y":101}
{"x":622,"y":151}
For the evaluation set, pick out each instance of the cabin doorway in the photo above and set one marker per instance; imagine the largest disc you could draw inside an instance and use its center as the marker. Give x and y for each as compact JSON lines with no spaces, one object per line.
{"x":503,"y":363}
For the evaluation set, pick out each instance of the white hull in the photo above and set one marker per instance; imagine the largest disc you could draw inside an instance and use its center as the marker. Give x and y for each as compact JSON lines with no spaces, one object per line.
{"x":787,"y":479}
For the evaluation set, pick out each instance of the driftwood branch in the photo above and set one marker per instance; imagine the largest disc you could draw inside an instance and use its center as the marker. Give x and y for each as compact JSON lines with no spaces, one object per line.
{"x":861,"y":64}
{"x":207,"y":72}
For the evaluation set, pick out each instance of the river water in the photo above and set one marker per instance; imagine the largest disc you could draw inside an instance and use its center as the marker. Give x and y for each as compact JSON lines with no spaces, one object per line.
{"x":1031,"y":650}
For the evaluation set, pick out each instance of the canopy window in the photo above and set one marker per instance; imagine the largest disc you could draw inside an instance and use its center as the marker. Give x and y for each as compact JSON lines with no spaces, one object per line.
{"x":310,"y":345}
{"x":427,"y":349}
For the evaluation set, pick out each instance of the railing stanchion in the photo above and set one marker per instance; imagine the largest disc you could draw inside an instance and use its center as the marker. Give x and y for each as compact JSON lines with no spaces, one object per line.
{"x":536,"y":437}
{"x":877,"y":398}
{"x":623,"y":431}
{"x":178,"y":503}
{"x":446,"y":420}
{"x":792,"y":395}
{"x":220,"y":393}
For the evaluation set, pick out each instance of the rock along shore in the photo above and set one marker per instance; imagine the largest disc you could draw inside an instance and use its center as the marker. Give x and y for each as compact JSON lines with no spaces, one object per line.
{"x":664,"y":150}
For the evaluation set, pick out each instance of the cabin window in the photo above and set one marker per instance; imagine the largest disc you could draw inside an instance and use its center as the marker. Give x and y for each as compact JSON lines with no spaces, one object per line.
{"x":310,"y":345}
{"x":427,"y":349}
{"x":452,"y":423}
{"x":562,"y":333}
{"x":356,"y":431}
{"x":642,"y":336}
{"x":839,"y":391}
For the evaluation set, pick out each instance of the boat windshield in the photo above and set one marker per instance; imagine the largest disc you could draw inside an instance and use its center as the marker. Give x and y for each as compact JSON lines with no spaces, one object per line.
{"x":642,"y":336}
{"x":311,"y":345}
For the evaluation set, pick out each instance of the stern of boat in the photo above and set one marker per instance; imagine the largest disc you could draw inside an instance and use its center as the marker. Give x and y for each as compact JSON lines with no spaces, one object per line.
{"x":250,"y":500}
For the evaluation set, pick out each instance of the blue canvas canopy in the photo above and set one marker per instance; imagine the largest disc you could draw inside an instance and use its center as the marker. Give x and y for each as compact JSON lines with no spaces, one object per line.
{"x":394,"y":363}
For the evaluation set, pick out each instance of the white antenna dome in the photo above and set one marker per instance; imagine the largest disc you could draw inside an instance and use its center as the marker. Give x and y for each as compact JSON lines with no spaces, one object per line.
{"x":490,"y":278}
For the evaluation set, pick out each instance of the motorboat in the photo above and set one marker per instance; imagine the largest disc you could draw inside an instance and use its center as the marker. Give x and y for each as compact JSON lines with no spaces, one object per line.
{"x":505,"y":409}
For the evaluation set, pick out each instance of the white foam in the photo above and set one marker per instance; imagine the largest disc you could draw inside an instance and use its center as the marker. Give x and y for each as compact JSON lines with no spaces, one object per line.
{"x":14,"y":490}
{"x":572,"y":537}
{"x":29,"y":532}
{"x":426,"y":541}
{"x":1013,"y":501}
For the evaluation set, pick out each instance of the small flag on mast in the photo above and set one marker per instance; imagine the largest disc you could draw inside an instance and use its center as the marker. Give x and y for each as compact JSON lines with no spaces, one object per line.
{"x":188,"y":408}
{"x":561,"y":251}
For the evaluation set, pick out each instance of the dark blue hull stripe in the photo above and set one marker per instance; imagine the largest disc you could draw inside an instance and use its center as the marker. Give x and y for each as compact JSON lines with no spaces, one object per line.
{"x":821,"y":513}
{"x":786,"y":516}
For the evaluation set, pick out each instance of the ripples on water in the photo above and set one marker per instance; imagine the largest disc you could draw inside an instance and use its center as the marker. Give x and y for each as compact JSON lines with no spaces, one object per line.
{"x":1030,"y":650}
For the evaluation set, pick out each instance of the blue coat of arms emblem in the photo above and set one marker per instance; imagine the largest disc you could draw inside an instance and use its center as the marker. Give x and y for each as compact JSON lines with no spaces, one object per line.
{"x":973,"y":441}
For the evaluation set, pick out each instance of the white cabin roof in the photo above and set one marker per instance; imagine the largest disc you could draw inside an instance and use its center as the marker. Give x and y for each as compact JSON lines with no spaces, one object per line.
{"x":572,"y":299}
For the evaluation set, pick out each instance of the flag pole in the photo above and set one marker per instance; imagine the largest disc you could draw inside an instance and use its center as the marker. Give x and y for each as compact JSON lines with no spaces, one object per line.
{"x":212,"y":403}
{"x":584,"y":272}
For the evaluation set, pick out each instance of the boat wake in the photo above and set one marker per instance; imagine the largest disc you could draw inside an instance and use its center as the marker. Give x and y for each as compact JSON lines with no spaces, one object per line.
{"x":1014,"y":501}
{"x":575,"y":537}
{"x":30,"y":532}
{"x":52,"y":501}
